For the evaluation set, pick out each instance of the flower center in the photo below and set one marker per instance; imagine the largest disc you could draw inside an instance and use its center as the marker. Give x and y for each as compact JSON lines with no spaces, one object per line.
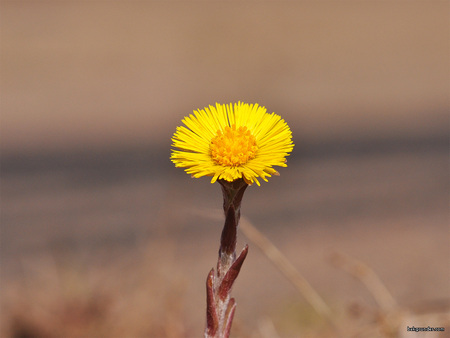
{"x":233,"y":147}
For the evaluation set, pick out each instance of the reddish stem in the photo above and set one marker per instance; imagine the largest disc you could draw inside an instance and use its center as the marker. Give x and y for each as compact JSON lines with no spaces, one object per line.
{"x":220,"y":306}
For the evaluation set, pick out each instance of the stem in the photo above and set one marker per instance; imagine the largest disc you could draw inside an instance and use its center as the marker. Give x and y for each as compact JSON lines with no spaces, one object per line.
{"x":232,"y":197}
{"x":220,"y":306}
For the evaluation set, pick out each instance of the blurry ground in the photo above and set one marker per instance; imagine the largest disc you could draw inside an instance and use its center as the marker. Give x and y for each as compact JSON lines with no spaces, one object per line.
{"x":102,"y":236}
{"x":117,"y":223}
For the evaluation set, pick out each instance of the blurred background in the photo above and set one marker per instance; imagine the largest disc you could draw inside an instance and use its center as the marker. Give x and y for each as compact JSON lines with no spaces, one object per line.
{"x":102,"y":236}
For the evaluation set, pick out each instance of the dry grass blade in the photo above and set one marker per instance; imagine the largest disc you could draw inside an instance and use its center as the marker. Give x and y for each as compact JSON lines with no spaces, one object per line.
{"x":286,"y":267}
{"x":368,"y":277}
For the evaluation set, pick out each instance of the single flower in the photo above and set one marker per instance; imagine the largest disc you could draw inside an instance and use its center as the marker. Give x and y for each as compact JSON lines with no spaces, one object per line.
{"x":231,"y":142}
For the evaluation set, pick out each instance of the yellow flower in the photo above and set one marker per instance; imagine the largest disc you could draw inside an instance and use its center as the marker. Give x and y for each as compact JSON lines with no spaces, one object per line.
{"x":230,"y":143}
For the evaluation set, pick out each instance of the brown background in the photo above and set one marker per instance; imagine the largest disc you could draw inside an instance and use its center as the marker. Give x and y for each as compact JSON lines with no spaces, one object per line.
{"x":91,"y":93}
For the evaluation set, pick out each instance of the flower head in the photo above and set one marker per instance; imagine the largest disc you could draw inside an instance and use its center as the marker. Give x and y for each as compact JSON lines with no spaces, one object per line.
{"x":232,"y":142}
